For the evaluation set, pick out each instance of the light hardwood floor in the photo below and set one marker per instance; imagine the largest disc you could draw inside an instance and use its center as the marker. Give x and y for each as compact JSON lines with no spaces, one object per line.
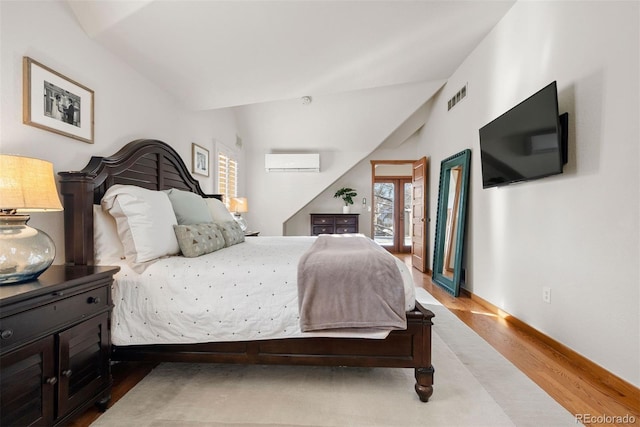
{"x":579,"y":390}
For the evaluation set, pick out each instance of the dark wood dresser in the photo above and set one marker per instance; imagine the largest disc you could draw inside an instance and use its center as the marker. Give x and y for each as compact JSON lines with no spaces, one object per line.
{"x":334,"y":223}
{"x":55,"y":345}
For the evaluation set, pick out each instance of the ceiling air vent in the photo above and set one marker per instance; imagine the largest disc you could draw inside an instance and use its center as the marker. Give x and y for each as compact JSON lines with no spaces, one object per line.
{"x":457,"y":97}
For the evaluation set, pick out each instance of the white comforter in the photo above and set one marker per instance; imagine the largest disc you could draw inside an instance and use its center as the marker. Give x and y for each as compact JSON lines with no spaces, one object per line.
{"x":244,"y":292}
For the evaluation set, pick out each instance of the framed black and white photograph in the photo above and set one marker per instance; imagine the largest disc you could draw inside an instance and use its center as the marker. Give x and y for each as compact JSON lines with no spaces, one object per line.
{"x":200,"y":160}
{"x":56,"y":103}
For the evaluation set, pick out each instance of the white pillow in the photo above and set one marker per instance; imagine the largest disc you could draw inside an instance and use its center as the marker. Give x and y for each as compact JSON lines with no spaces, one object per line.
{"x":145,"y":221}
{"x":218,"y":210}
{"x":107,"y":247}
{"x":190,"y":208}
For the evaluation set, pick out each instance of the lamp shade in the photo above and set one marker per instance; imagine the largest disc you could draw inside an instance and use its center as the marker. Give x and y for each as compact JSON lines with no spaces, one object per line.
{"x":239,"y":204}
{"x":27,"y":185}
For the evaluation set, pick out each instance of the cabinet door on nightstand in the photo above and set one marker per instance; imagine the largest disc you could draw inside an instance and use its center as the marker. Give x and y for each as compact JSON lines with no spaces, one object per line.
{"x":27,"y":385}
{"x":84,"y":363}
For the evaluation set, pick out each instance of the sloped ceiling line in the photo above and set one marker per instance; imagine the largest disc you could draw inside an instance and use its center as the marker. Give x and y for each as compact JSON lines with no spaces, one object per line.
{"x":217,"y":54}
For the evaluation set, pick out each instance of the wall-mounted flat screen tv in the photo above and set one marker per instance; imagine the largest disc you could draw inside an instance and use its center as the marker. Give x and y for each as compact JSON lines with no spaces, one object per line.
{"x":527,"y":142}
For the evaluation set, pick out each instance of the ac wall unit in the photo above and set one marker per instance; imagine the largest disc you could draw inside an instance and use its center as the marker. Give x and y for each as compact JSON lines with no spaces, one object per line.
{"x":292,"y":162}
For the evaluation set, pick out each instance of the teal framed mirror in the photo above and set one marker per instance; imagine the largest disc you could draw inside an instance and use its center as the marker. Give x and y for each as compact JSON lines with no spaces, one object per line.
{"x":450,"y":223}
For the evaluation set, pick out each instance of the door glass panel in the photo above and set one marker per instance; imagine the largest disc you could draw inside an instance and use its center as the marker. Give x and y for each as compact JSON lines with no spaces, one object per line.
{"x":383,"y":217}
{"x":408,"y":226}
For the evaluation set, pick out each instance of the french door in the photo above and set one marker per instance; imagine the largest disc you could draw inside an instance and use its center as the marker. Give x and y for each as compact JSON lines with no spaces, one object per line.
{"x":392,"y":218}
{"x":419,"y":215}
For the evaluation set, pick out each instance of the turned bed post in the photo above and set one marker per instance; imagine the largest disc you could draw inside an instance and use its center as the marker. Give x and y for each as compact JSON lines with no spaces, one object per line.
{"x":77,"y":196}
{"x":424,"y":372}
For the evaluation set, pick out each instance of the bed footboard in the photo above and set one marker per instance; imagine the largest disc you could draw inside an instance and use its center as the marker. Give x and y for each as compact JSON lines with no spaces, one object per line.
{"x":410,"y":348}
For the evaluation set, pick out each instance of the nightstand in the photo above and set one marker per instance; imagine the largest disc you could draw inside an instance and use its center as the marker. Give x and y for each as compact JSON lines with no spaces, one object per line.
{"x":251,"y":233}
{"x":55,"y":345}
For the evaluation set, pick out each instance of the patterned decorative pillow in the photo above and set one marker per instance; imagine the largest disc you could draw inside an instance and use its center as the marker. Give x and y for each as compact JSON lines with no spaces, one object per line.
{"x":232,"y":232}
{"x":199,"y":239}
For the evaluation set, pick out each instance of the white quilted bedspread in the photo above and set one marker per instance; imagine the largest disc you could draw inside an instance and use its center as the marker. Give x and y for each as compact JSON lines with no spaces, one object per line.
{"x":244,"y":292}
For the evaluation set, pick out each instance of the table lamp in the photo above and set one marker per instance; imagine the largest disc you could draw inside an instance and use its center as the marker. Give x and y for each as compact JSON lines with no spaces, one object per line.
{"x":239,"y":205}
{"x":26,"y":185}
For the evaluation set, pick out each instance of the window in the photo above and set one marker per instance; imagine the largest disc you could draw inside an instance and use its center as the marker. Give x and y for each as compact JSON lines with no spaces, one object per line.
{"x":392,"y":213}
{"x":227,"y":176}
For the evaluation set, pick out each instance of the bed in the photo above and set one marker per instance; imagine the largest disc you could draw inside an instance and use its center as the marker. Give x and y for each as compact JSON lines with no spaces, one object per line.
{"x":154,"y":165}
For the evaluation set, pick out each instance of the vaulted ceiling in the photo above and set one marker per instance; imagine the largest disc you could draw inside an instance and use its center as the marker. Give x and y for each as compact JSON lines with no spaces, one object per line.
{"x":216,"y":54}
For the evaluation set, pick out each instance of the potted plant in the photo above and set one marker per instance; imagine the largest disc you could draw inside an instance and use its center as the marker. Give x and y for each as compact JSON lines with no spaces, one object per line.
{"x":346,"y":194}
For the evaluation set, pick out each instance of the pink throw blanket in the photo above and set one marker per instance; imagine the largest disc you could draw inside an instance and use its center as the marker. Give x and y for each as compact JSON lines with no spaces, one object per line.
{"x":349,"y":282}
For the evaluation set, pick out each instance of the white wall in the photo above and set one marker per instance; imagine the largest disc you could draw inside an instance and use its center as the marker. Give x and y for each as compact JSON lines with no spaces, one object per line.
{"x":577,"y":233}
{"x":343,"y":128}
{"x":127,"y":105}
{"x":359,"y":178}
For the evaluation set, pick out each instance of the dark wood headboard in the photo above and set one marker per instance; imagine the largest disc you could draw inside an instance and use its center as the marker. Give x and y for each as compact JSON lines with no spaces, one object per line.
{"x":147,"y":163}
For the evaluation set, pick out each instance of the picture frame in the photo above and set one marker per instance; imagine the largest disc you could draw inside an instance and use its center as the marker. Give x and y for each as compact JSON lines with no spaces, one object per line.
{"x":199,"y":160}
{"x":54,"y":102}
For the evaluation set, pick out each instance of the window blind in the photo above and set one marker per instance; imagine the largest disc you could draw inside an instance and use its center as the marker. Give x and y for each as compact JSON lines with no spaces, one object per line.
{"x":227,"y":177}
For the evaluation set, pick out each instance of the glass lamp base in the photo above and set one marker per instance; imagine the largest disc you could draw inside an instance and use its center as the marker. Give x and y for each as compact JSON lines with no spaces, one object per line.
{"x":25,"y":252}
{"x":241,"y":221}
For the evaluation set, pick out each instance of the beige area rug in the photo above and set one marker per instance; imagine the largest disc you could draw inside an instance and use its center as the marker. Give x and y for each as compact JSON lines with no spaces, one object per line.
{"x":474,"y":386}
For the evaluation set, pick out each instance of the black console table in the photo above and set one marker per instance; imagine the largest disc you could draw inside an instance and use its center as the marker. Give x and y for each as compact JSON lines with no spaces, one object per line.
{"x":334,"y":223}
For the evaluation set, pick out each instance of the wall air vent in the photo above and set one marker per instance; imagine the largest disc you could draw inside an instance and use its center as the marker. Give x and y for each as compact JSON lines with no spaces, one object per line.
{"x":457,"y":97}
{"x":292,"y":162}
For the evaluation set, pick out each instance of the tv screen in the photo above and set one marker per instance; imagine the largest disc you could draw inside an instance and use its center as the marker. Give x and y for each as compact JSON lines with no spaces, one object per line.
{"x":524,"y":143}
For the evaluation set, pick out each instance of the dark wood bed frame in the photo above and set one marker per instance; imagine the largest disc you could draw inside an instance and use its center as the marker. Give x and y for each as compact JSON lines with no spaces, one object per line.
{"x":155,"y":165}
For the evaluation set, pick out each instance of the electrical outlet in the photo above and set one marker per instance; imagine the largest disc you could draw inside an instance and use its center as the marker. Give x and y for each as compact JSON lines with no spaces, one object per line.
{"x":546,"y":294}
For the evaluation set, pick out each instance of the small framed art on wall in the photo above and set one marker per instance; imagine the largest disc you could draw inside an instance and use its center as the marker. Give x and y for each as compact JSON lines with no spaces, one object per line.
{"x":200,"y":160}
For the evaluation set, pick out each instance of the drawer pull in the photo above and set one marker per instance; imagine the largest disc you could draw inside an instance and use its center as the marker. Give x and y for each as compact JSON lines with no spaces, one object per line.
{"x":67,"y":373}
{"x":51,"y":380}
{"x":94,"y":300}
{"x":58,"y":294}
{"x":6,"y":334}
